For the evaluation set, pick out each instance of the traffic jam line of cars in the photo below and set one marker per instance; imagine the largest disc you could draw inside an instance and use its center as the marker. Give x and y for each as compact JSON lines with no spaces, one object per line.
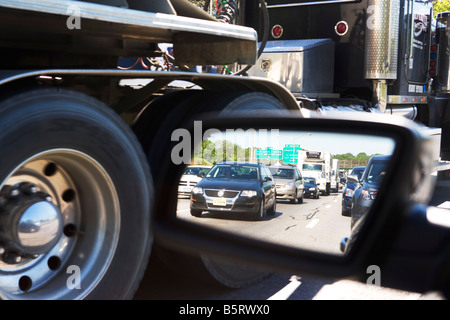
{"x":255,"y":188}
{"x":362,"y":187}
{"x":244,"y":187}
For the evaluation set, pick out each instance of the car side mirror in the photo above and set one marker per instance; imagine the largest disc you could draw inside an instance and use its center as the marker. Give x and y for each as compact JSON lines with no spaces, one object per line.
{"x":353,"y":178}
{"x":267,"y":179}
{"x":406,"y":144}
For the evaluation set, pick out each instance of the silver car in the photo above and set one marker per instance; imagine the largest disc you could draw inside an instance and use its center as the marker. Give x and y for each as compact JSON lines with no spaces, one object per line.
{"x":289,"y":183}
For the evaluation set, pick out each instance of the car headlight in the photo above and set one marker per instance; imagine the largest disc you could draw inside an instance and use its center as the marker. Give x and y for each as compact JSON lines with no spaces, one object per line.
{"x":369,"y":195}
{"x":289,"y":185}
{"x":197,"y":190}
{"x":249,"y":193}
{"x":348,"y":192}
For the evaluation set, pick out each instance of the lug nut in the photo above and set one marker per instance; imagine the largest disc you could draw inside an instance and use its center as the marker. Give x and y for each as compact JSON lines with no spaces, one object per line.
{"x":27,"y":188}
{"x":12,"y":258}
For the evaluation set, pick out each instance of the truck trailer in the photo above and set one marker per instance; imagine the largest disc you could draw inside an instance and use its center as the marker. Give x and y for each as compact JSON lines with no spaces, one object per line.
{"x":79,"y":125}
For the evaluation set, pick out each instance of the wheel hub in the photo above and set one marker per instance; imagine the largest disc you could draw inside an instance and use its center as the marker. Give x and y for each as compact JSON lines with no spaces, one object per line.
{"x":30,"y":224}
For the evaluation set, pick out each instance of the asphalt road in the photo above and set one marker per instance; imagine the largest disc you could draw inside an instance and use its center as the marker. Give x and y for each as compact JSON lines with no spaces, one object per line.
{"x":316,"y":224}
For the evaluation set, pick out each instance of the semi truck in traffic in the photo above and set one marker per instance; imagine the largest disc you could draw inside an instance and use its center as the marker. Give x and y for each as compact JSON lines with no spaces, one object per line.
{"x":78,"y":141}
{"x":318,"y":165}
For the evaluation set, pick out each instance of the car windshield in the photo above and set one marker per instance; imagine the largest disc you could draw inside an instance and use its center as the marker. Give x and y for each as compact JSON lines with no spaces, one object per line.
{"x":311,"y":167}
{"x":376,"y":171}
{"x":282,"y":173}
{"x":309,"y":180}
{"x":358,"y":172}
{"x":235,"y":172}
{"x":195,"y":170}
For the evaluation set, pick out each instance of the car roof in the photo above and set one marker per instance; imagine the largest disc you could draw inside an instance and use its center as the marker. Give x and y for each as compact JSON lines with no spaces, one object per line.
{"x":380,"y":157}
{"x":237,"y":163}
{"x":198,"y":166}
{"x":281,"y":167}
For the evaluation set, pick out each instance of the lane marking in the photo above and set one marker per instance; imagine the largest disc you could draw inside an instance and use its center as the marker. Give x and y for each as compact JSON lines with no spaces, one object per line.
{"x":444,"y":205}
{"x":288,"y":290}
{"x":312,"y":223}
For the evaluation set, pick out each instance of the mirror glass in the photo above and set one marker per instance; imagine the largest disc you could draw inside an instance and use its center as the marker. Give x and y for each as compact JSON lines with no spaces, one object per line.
{"x":300,"y":189}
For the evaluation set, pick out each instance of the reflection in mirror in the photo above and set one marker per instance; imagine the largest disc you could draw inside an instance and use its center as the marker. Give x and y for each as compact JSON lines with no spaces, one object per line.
{"x":299,"y":189}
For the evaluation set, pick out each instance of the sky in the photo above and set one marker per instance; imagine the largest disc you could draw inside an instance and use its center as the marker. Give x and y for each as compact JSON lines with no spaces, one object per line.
{"x":315,"y":141}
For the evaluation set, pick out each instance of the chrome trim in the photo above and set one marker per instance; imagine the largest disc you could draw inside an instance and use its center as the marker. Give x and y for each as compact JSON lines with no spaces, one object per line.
{"x":160,"y":21}
{"x":312,"y":3}
{"x":229,"y":201}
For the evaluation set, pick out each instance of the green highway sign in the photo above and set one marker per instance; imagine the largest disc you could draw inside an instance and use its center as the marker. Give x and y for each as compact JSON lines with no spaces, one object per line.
{"x":290,"y":153}
{"x":268,"y":153}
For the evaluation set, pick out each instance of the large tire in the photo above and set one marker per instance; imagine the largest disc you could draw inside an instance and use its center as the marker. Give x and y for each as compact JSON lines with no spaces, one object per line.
{"x":210,"y":271}
{"x":88,"y":170}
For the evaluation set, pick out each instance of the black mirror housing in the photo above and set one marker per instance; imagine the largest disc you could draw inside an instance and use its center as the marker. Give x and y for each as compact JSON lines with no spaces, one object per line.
{"x":376,"y":237}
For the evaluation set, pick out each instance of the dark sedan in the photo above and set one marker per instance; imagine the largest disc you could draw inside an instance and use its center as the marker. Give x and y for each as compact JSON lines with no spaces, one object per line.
{"x":366,"y":192}
{"x":237,"y":187}
{"x":347,"y":193}
{"x":311,"y":188}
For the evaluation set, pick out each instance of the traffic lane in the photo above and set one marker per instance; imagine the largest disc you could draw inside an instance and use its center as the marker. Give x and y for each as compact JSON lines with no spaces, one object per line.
{"x":163,"y":283}
{"x":315,"y":224}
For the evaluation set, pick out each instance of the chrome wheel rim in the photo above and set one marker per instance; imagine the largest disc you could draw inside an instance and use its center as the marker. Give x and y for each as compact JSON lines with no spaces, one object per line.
{"x":75,"y":193}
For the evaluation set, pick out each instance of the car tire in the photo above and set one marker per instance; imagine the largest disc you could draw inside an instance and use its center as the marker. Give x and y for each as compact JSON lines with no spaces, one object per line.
{"x":345,"y":213}
{"x":196,"y":213}
{"x":300,"y":200}
{"x":294,"y":199}
{"x":260,"y":214}
{"x":271,"y":212}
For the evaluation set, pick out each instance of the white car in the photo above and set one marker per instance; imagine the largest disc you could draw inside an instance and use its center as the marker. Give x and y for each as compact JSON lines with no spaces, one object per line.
{"x":191,"y":176}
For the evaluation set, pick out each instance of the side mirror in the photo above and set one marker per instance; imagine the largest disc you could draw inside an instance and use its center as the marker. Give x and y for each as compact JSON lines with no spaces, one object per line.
{"x":267,"y":179}
{"x":353,"y":178}
{"x":177,"y":225}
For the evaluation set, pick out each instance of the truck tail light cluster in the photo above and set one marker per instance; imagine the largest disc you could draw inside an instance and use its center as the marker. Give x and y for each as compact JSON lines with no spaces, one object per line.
{"x":433,"y":63}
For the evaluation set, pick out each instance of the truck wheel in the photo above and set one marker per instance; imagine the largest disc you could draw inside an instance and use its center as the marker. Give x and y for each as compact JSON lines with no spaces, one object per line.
{"x":75,"y":195}
{"x":232,"y":275}
{"x":250,"y":102}
{"x":210,"y":271}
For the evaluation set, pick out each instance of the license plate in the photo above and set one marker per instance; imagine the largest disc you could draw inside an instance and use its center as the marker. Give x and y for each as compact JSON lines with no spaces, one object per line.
{"x":220,"y":202}
{"x":186,"y":189}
